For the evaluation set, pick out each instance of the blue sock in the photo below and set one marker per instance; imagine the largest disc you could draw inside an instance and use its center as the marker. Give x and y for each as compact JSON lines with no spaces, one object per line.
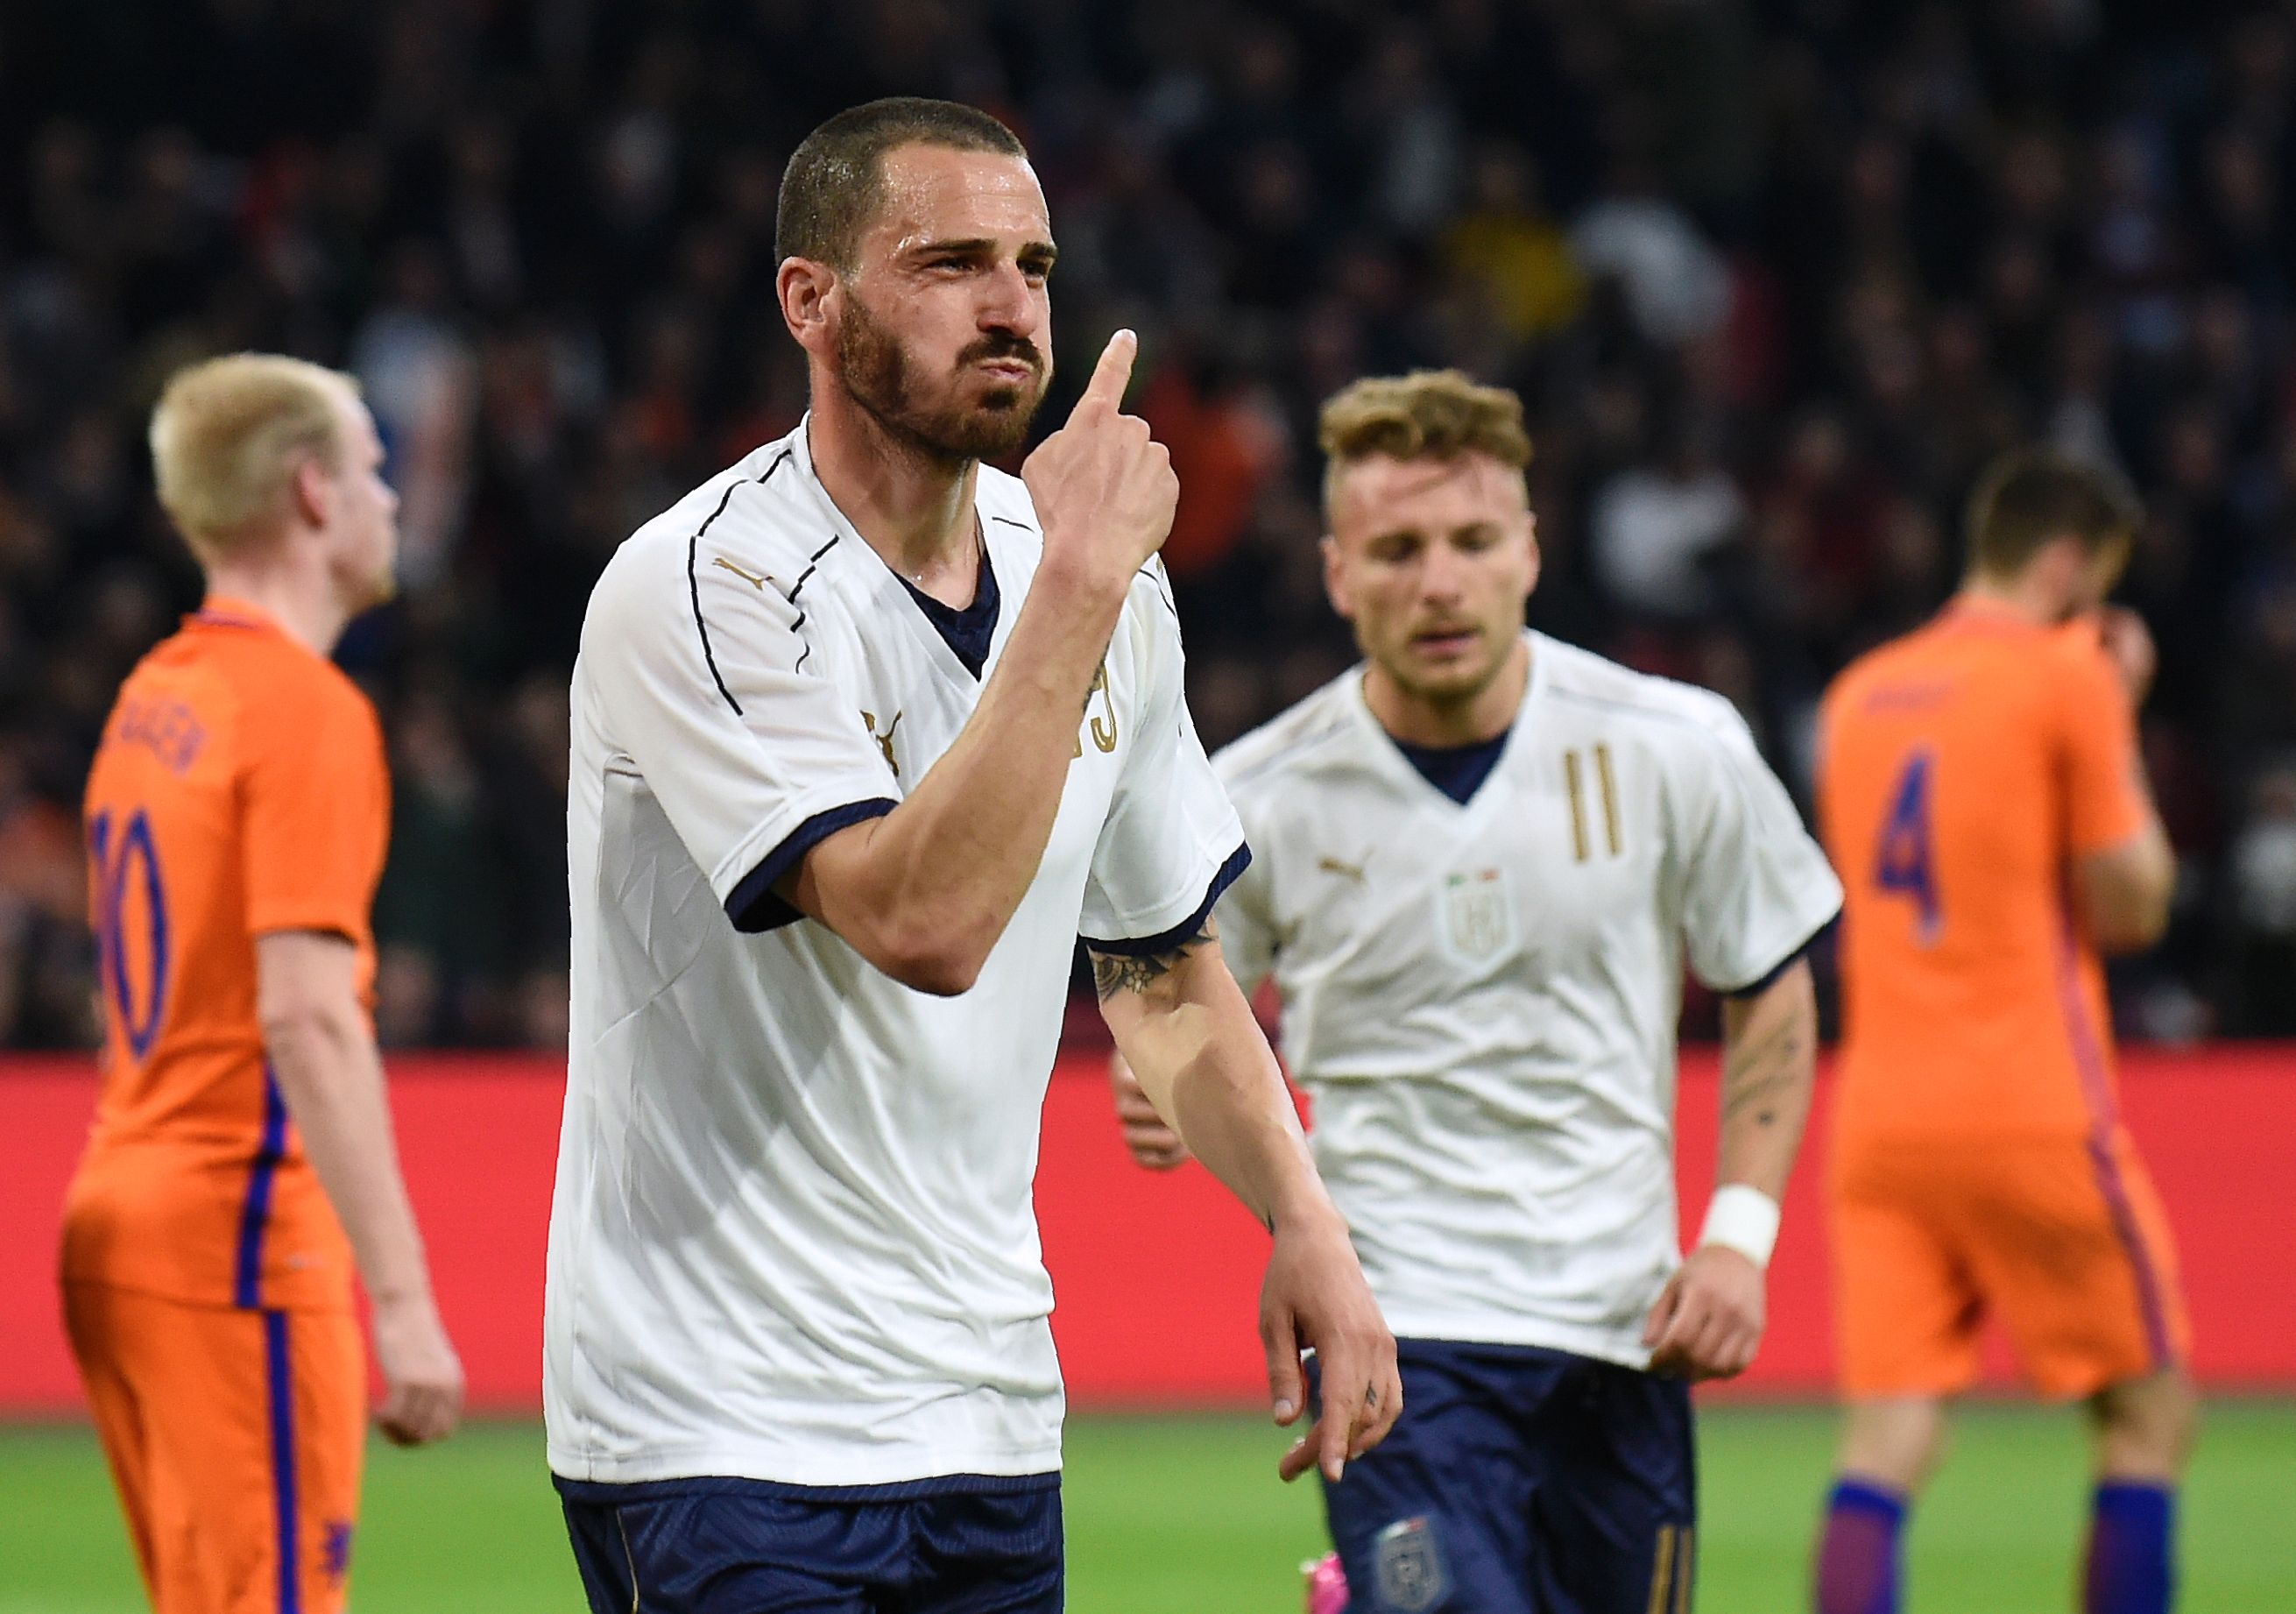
{"x":2131,"y":1568}
{"x":1857,"y":1559}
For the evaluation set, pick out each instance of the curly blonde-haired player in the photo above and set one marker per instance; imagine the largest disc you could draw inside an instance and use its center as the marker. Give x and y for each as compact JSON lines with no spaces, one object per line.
{"x":1485,"y":856}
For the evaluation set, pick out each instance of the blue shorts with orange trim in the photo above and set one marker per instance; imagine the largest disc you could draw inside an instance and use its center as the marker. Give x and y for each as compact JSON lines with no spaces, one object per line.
{"x":2063,"y":1241}
{"x":234,"y":1438}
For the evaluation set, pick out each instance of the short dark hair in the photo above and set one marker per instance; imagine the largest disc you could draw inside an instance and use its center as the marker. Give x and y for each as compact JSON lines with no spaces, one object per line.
{"x":2032,"y":496}
{"x":835,"y":182}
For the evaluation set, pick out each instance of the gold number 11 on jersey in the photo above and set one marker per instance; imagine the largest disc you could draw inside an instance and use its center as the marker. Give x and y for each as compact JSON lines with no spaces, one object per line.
{"x":1606,"y":782}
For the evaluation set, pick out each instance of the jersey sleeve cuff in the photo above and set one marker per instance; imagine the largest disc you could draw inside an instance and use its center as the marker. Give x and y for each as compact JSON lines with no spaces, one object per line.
{"x":1164,"y":940}
{"x":2127,"y":822}
{"x":1769,"y":977}
{"x":349,"y":922}
{"x":753,"y":905}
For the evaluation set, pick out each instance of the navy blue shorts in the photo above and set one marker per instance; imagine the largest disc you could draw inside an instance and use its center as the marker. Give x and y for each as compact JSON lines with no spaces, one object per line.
{"x":1521,"y":1481}
{"x":972,"y":1545}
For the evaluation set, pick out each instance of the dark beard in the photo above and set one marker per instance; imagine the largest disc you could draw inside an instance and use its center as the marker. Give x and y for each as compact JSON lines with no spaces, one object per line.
{"x":875,"y":373}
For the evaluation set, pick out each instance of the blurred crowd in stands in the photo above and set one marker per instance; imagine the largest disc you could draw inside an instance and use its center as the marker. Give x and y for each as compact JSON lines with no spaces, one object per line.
{"x":1775,"y":276}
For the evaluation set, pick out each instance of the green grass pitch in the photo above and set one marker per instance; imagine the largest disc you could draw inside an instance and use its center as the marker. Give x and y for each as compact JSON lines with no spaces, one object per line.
{"x":1183,"y":1515}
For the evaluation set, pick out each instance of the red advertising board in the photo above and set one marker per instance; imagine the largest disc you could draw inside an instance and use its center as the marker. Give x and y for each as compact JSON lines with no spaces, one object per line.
{"x":1157,"y":1276}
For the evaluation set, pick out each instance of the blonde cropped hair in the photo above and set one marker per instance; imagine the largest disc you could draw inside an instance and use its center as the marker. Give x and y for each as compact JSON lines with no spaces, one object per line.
{"x":228,"y":435}
{"x":1426,"y":415}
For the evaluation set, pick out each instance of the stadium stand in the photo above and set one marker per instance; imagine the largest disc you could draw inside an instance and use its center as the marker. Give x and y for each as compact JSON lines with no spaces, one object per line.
{"x":1776,"y":276}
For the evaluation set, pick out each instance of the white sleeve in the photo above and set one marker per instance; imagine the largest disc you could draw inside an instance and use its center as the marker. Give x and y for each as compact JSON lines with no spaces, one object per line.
{"x":1172,"y":844}
{"x":1757,"y":887}
{"x":1247,"y":925}
{"x":753,"y":759}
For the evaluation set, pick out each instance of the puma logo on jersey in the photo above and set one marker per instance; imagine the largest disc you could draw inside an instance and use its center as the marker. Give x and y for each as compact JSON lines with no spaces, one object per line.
{"x":757,"y":581}
{"x":1349,"y":871}
{"x":885,"y":740}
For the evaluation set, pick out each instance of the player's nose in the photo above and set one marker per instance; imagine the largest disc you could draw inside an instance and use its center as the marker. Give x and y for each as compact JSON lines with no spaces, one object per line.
{"x":1008,"y":302}
{"x":1442,"y":578}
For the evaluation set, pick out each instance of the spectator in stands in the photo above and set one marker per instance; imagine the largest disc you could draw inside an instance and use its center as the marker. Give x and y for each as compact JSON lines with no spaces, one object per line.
{"x":1861,"y":248}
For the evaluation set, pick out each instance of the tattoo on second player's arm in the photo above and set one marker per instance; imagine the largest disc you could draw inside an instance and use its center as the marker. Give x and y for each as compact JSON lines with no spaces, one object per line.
{"x":1754,"y":1075}
{"x":1115,"y":972}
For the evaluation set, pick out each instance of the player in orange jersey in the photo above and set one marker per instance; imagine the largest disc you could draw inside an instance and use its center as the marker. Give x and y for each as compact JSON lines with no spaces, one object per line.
{"x":237,"y":814}
{"x":1982,"y":794}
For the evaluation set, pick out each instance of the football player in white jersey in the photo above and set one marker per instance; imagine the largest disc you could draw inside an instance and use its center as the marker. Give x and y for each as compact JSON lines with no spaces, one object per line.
{"x":866,"y":734}
{"x":1484,"y":858}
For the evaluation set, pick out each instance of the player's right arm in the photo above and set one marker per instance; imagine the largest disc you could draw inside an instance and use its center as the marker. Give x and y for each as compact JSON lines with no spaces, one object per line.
{"x":323,"y":1055}
{"x":923,"y":891}
{"x":2123,"y":869}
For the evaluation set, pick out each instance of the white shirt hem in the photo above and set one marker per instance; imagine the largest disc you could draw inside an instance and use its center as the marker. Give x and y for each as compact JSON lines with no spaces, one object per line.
{"x":1603,"y":1344}
{"x":779,"y":1465}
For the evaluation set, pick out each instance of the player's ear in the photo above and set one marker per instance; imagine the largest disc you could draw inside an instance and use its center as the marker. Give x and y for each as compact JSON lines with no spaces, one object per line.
{"x":2061,"y":566}
{"x":807,"y":291}
{"x":1337,"y":584}
{"x":2109,"y":562}
{"x":311,"y":493}
{"x":1531,"y":537}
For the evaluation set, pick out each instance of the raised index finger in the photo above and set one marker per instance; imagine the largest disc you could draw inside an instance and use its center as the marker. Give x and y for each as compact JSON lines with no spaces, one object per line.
{"x":1112,"y":373}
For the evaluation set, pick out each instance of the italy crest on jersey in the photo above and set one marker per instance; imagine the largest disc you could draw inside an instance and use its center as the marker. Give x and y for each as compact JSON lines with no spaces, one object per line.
{"x":1477,"y":918}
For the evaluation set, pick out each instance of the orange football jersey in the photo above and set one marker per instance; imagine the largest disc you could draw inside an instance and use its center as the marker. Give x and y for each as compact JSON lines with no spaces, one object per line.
{"x":1962,"y":769}
{"x":240,"y":788}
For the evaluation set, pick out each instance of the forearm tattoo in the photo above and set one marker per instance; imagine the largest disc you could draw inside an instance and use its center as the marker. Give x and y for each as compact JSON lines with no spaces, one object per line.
{"x":1115,"y":972}
{"x":1758,"y":1073}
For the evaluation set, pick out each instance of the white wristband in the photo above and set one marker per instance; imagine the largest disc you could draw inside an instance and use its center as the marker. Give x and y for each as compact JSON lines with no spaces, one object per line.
{"x":1742,"y":1218}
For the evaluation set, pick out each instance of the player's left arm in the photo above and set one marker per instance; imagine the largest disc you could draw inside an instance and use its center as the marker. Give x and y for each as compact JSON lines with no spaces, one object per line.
{"x":1709,"y":1322}
{"x":1247,"y":941}
{"x":1757,"y":892}
{"x":1183,"y":1027}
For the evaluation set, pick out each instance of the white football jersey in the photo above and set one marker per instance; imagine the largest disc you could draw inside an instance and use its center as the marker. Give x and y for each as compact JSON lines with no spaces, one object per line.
{"x":1482,"y":999}
{"x":792,"y":1237}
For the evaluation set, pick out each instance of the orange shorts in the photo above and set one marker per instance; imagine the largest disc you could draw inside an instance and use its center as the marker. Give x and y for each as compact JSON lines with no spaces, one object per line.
{"x":234,"y":1438}
{"x":2063,"y":1241}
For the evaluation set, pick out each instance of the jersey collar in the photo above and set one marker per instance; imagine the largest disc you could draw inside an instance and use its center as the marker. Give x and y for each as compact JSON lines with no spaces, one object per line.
{"x":894,"y":595}
{"x":228,"y":611}
{"x":1390,"y":750}
{"x":1967,"y":611}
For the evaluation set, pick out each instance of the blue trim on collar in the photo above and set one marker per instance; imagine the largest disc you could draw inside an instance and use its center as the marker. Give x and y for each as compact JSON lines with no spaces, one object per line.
{"x":1458,"y":771}
{"x":967,"y":630}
